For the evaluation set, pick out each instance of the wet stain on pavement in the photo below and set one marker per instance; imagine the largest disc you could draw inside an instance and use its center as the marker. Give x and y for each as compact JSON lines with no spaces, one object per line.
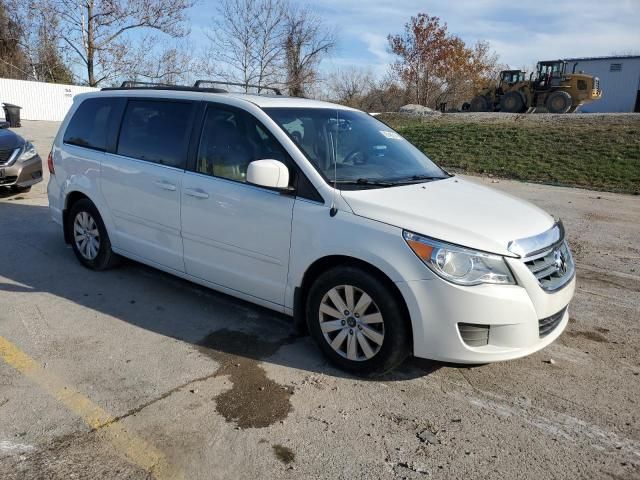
{"x":254,"y":400}
{"x":284,"y":454}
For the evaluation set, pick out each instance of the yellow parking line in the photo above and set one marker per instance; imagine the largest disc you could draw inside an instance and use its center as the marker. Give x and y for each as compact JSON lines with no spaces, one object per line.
{"x":134,"y":448}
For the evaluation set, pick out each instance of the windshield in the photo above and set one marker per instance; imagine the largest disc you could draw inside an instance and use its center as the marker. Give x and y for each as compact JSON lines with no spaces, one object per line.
{"x":354,"y":149}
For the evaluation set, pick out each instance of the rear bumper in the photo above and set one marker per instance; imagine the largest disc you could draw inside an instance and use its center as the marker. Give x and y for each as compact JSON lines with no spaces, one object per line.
{"x":22,"y":174}
{"x":512,"y":319}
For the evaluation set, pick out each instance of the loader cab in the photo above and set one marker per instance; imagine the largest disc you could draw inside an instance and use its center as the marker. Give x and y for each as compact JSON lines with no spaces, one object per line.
{"x":549,"y":74}
{"x":509,"y":77}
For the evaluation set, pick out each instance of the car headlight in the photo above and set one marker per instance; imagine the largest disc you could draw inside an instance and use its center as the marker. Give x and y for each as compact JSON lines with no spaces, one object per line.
{"x":459,"y":265}
{"x":28,"y":152}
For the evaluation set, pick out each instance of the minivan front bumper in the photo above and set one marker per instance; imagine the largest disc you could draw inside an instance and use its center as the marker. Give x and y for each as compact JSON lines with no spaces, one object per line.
{"x":514,"y":325}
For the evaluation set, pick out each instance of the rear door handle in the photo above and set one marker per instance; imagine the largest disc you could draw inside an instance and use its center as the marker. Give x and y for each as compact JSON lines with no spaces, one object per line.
{"x":166,"y":185}
{"x":196,"y":192}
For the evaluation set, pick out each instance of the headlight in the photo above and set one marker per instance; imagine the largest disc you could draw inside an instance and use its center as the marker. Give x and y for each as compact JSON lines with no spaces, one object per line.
{"x":459,"y":265}
{"x":28,"y":152}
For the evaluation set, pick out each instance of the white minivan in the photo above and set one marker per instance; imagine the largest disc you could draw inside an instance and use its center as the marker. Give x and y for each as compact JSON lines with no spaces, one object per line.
{"x":315,"y":210}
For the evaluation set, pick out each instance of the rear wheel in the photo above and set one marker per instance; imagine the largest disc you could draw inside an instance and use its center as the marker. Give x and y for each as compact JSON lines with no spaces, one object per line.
{"x":512,"y":102}
{"x":89,"y":237}
{"x":559,"y":102}
{"x":479,"y":104}
{"x":357,"y":322}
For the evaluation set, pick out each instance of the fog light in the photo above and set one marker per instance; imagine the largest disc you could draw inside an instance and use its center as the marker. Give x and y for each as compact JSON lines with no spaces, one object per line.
{"x":473,"y":334}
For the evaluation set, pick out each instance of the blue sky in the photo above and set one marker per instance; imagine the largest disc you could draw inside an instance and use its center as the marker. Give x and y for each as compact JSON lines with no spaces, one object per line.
{"x":521,"y":33}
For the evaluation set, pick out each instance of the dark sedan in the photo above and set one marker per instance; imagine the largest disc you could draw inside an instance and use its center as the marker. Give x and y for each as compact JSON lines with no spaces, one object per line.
{"x":20,"y":164}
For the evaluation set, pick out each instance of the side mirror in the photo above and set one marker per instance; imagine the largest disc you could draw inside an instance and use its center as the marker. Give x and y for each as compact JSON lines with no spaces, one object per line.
{"x":268,"y":173}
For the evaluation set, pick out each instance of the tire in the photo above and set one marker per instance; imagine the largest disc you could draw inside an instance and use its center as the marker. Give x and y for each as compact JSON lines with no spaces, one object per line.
{"x":512,"y":102}
{"x":559,"y":102}
{"x":94,"y":249}
{"x":16,"y":189}
{"x":366,"y":347}
{"x":479,"y":104}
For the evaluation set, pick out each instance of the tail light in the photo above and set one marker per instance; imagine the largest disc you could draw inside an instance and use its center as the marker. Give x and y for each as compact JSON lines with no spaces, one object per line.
{"x":52,"y":170}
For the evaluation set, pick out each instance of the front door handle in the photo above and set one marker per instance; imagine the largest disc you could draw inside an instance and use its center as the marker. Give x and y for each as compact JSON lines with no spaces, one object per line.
{"x":166,"y":185}
{"x":196,"y":192}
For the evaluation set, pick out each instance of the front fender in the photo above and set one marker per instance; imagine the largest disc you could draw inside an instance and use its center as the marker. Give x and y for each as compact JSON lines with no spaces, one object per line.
{"x":316,"y":235}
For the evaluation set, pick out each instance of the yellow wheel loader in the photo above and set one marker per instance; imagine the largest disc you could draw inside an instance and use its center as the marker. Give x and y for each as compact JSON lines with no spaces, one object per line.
{"x":552,"y":89}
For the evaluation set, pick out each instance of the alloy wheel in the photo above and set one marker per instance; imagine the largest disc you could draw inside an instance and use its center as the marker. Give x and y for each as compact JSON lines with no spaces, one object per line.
{"x":86,"y":235}
{"x":351,"y":323}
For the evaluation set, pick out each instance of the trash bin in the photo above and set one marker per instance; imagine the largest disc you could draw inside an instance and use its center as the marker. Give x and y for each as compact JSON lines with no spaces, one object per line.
{"x":12,"y":114}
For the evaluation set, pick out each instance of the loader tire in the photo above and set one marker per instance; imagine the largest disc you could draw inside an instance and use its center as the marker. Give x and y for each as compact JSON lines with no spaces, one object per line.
{"x":559,"y":102}
{"x":479,"y":104}
{"x":512,"y":102}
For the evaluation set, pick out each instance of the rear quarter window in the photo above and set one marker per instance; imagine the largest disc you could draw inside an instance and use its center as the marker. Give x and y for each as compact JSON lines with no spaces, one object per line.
{"x":89,"y":125}
{"x":156,"y":131}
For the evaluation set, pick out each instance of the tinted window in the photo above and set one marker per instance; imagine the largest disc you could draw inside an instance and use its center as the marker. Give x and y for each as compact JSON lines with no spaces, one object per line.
{"x":156,"y":131}
{"x":230,"y":141}
{"x":88,"y":126}
{"x":353,"y":148}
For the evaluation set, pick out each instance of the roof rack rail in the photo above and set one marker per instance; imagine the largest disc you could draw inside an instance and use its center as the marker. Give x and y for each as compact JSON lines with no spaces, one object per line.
{"x":199,"y":83}
{"x":136,"y":84}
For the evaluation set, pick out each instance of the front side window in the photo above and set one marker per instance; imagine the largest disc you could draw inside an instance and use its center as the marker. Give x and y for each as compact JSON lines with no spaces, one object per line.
{"x":156,"y":131}
{"x":89,"y":125}
{"x":353,"y":148}
{"x":230,"y":140}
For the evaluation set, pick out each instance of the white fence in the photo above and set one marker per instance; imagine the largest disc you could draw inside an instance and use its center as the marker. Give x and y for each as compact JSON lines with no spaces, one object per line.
{"x":39,"y":100}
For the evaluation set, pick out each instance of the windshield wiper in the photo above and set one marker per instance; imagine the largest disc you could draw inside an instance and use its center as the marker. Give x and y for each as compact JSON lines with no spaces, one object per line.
{"x":366,"y":181}
{"x":417,"y":179}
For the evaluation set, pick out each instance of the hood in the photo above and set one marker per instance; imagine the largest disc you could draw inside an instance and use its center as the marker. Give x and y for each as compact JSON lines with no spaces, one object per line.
{"x":10,"y":140}
{"x":453,"y":210}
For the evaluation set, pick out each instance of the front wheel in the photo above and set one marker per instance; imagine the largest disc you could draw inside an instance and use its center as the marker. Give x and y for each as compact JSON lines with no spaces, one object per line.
{"x":357,"y":321}
{"x":479,"y":104}
{"x":88,"y":236}
{"x":559,"y":102}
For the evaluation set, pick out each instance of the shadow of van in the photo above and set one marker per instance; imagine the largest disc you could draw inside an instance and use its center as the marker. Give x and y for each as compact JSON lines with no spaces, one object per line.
{"x":36,"y":259}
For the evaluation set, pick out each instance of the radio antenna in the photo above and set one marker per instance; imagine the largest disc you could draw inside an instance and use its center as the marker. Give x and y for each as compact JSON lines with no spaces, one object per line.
{"x":333,"y":211}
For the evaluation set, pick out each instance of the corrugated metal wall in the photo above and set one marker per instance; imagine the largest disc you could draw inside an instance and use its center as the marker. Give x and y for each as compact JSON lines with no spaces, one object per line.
{"x":39,"y":101}
{"x":619,"y":87}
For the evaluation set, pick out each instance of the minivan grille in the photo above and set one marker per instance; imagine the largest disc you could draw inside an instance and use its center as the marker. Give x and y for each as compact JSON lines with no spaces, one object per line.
{"x":549,"y":324}
{"x":5,"y":156}
{"x":553,"y":268}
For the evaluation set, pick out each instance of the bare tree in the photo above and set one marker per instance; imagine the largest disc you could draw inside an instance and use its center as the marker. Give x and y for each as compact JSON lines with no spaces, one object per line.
{"x":247,"y":42}
{"x":350,"y":86}
{"x":97,"y":32}
{"x":306,"y":42}
{"x":29,"y":43}
{"x":13,"y":61}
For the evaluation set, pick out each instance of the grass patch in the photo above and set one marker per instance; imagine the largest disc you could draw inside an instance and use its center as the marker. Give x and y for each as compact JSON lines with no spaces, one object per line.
{"x":596,"y":153}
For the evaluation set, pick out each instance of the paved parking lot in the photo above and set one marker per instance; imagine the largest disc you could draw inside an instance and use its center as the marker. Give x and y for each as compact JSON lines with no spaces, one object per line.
{"x":132,"y":373}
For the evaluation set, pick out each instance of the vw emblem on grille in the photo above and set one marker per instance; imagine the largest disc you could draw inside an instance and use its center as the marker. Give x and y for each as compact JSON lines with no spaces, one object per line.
{"x":560,"y":261}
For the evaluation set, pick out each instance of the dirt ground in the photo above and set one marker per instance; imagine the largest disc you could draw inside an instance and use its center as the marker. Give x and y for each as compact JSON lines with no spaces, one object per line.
{"x":133,"y":374}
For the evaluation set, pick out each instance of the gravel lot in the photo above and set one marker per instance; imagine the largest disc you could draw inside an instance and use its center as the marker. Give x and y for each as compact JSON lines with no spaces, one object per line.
{"x":135,"y":373}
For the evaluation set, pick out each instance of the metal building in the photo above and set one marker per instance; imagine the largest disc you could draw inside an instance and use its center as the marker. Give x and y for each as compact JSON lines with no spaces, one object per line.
{"x":619,"y":80}
{"x":39,"y":100}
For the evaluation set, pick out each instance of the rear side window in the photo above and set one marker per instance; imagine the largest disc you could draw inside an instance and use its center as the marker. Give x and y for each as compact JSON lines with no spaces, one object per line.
{"x":156,"y":131}
{"x":89,"y":125}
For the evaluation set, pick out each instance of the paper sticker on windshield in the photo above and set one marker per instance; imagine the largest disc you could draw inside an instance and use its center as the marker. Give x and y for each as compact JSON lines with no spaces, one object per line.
{"x":392,"y":135}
